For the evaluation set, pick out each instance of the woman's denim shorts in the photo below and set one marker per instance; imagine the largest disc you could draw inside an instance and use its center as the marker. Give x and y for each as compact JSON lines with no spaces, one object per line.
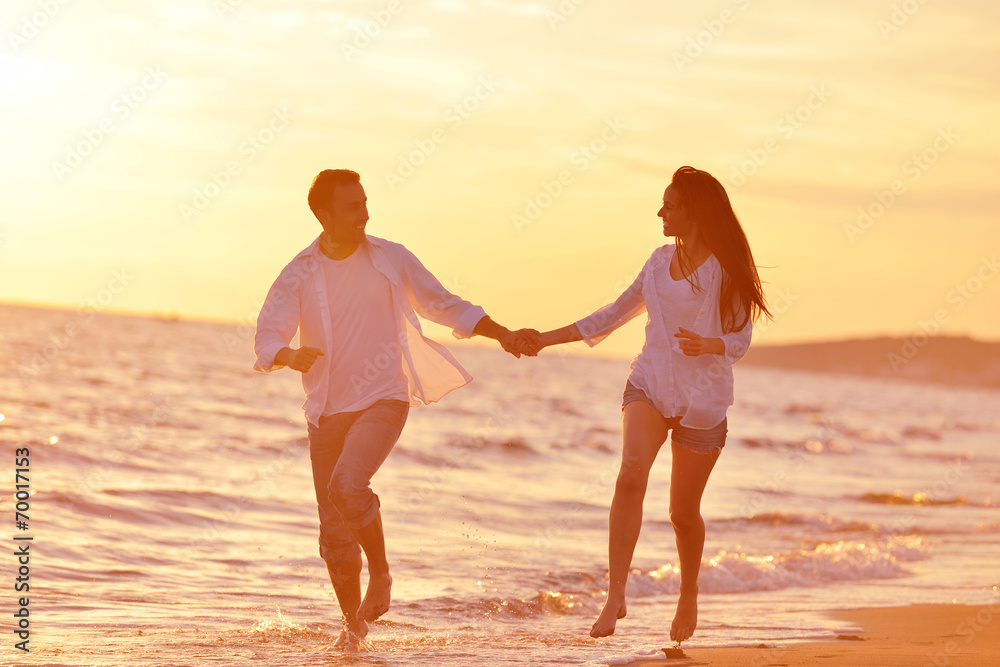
{"x":704,"y":440}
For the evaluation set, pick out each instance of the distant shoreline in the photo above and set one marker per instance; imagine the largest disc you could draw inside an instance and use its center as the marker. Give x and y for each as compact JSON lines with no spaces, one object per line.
{"x":953,"y":360}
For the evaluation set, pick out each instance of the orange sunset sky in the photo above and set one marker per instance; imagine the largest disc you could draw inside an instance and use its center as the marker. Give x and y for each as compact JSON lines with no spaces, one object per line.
{"x":158,"y":153}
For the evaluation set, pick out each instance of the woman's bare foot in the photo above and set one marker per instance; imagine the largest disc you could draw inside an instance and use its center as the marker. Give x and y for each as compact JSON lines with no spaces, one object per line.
{"x":605,"y":623}
{"x":377,"y":597}
{"x":686,"y":617}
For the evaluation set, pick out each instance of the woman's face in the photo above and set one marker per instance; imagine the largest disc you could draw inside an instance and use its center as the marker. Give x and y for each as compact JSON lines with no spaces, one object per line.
{"x":675,"y":219}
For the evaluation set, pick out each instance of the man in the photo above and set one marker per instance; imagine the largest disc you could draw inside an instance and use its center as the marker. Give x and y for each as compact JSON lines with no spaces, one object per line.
{"x":353,"y":299}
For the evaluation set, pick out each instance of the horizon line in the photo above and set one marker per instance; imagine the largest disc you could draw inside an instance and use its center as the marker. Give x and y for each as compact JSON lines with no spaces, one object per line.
{"x":174,"y":316}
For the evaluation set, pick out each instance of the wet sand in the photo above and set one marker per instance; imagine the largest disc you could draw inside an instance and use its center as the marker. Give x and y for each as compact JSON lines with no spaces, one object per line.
{"x":916,"y":636}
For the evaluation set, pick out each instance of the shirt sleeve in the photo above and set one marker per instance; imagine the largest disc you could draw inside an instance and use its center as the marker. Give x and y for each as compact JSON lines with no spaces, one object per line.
{"x":738,"y":342}
{"x":596,"y":327}
{"x":278,"y":320}
{"x":432,"y":301}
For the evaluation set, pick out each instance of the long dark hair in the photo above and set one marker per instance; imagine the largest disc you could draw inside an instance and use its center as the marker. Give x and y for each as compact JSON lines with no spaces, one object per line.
{"x":706,"y":202}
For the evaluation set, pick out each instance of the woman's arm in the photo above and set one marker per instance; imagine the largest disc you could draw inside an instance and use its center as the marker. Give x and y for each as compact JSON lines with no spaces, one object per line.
{"x":599,"y":324}
{"x":568,"y":334}
{"x":693,"y":345}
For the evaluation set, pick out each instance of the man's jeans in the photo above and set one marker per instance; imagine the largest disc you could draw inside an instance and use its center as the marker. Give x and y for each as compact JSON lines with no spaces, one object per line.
{"x":346,"y":450}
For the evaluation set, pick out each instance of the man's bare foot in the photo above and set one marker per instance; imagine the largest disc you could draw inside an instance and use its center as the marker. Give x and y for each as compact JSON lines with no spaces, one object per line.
{"x":605,"y":623}
{"x":686,"y":617}
{"x":352,"y":636}
{"x":377,"y":597}
{"x":357,"y":627}
{"x":352,"y":640}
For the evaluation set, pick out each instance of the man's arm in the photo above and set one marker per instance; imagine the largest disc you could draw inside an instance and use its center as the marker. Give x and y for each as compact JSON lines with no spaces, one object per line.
{"x":432,"y":301}
{"x":300,"y":360}
{"x":277,"y":323}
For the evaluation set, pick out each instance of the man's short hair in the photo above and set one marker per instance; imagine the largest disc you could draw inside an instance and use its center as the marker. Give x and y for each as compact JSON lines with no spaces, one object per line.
{"x":326,"y":181}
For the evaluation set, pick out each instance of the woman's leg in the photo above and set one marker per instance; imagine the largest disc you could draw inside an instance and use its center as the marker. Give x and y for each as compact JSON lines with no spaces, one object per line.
{"x":644,"y":430}
{"x":689,"y":474}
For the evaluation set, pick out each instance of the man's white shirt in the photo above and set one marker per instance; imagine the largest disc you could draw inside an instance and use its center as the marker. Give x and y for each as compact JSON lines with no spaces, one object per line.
{"x":301,"y":300}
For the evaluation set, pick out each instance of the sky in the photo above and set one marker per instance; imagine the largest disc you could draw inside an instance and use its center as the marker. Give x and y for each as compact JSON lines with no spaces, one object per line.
{"x":156,"y":155}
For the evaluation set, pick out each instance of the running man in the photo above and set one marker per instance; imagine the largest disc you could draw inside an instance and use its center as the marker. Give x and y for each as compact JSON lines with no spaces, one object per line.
{"x":354,"y":299}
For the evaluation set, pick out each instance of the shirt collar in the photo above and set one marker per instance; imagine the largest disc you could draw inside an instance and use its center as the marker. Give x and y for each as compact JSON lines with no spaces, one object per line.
{"x":313,"y":249}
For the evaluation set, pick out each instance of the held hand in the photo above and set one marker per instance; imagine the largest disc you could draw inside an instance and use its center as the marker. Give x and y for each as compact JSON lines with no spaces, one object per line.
{"x":304,"y":358}
{"x":523,"y":341}
{"x":529,"y":342}
{"x":693,"y":345}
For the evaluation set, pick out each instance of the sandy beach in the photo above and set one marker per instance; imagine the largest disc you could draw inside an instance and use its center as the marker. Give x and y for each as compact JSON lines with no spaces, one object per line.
{"x":914,"y":636}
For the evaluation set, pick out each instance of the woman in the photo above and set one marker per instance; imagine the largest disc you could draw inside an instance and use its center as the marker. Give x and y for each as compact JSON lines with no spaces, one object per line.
{"x":702,"y":295}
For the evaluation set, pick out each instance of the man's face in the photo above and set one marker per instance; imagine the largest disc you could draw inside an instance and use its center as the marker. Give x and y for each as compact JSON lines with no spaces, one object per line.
{"x":345,"y":217}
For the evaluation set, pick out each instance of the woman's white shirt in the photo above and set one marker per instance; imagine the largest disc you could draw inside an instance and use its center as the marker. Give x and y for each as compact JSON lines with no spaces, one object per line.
{"x":698,"y":389}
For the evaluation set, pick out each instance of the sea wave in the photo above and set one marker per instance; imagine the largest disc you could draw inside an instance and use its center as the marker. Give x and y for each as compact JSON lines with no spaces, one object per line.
{"x":822,"y":522}
{"x":726,"y":572}
{"x":515,"y":446}
{"x":825,"y":563}
{"x":810,"y":446}
{"x":919,"y":498}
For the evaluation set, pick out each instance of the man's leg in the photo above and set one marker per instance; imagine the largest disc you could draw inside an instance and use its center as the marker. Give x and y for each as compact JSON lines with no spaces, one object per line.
{"x":337,"y":546}
{"x":346,"y":580}
{"x":377,"y":597}
{"x":367,"y":444}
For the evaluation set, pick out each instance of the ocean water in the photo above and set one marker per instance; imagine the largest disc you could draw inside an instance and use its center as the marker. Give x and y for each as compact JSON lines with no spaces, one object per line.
{"x":174,"y":523}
